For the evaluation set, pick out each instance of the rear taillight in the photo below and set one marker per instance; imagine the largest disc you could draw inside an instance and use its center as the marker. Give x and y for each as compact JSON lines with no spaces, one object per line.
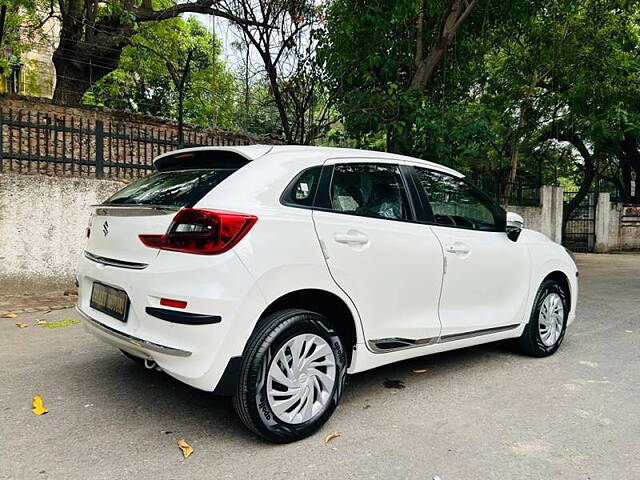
{"x":204,"y":232}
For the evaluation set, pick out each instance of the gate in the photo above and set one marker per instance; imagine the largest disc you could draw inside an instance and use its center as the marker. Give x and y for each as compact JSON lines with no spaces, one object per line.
{"x":579,"y":230}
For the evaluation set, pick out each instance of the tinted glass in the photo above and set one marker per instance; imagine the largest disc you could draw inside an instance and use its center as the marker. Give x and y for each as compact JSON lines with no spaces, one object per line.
{"x":455,"y":202}
{"x":180,"y":188}
{"x":370,"y":190}
{"x":302,"y":191}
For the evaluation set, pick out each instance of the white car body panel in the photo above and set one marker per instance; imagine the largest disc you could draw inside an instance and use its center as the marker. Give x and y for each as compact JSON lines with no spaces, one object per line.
{"x":486,"y":284}
{"x":283,"y":253}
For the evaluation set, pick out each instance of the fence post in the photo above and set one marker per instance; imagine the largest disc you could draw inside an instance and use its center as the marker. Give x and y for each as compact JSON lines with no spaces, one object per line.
{"x":99,"y":132}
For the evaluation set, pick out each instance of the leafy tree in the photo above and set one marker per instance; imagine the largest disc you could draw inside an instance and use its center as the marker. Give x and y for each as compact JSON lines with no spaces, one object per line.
{"x":283,"y":35}
{"x":149,"y":76}
{"x":93,"y":34}
{"x":397,"y":58}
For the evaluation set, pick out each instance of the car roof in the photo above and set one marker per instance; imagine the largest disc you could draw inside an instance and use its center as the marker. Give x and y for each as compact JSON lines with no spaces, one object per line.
{"x":255,"y":152}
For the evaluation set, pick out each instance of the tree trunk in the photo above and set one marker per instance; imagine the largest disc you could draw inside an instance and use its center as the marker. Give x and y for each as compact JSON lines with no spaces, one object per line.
{"x":3,"y":16}
{"x":583,"y":191}
{"x":515,"y":155}
{"x":75,"y":77}
{"x":91,"y":44}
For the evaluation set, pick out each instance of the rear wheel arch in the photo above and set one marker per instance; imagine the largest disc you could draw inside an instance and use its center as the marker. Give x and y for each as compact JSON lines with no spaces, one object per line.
{"x":326,"y":303}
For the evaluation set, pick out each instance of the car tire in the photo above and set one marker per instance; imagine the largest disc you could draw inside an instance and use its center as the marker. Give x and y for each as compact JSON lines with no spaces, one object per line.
{"x":548,"y":322}
{"x":292,"y":376}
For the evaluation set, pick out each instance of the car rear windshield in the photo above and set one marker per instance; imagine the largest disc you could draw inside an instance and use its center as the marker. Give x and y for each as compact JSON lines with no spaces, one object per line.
{"x":179,"y":188}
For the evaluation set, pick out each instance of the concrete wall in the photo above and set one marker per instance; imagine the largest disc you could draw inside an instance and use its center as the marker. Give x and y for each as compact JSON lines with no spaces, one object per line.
{"x":617,"y":225}
{"x":547,"y":217}
{"x":42,"y":228}
{"x":629,"y":238}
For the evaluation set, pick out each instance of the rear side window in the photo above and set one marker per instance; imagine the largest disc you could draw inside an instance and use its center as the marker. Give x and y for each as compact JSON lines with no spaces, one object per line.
{"x":369,"y":190}
{"x":178,"y":188}
{"x":302,"y":190}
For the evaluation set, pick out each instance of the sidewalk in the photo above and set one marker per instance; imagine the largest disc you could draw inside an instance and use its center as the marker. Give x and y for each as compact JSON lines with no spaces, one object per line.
{"x":37,"y":302}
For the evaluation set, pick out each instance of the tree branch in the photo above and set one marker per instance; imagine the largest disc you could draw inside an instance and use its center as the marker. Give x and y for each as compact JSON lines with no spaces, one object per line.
{"x":144,"y":14}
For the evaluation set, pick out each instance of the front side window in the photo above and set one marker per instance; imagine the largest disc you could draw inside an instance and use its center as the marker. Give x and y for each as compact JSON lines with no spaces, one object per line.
{"x":456,"y":203}
{"x":369,"y":190}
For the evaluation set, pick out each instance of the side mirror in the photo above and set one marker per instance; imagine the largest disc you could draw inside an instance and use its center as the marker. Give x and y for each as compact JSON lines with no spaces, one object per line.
{"x":515,"y":224}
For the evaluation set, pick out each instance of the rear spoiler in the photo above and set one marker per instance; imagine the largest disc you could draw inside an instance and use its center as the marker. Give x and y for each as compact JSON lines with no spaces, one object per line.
{"x":210,"y":157}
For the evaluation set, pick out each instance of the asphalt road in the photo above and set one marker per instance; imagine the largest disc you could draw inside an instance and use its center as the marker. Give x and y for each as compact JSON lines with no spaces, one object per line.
{"x":480,"y":413}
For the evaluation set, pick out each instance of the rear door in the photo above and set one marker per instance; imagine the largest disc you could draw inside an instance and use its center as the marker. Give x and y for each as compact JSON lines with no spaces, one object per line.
{"x":390,"y":266}
{"x":486,"y":281}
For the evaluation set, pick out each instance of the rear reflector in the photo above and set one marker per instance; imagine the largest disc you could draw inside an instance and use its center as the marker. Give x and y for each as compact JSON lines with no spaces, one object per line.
{"x":203,"y":232}
{"x":167,"y":302}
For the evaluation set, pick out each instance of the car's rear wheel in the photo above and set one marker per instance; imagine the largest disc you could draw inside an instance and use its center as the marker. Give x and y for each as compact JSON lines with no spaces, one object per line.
{"x":292,"y":376}
{"x":546,"y":328}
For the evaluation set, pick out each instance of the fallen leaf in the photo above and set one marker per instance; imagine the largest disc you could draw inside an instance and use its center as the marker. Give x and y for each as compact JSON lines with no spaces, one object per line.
{"x":21,"y":325}
{"x":9,"y":315}
{"x":61,"y":323}
{"x":41,"y":322}
{"x":331,"y":436}
{"x":420,"y":370}
{"x":398,"y":384}
{"x":38,"y":406}
{"x":185,"y":447}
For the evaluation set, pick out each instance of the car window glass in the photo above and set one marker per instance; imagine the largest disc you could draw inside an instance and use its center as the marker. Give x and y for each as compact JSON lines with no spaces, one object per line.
{"x":180,"y":188}
{"x":454,"y":202}
{"x":370,"y":190}
{"x":302,"y":191}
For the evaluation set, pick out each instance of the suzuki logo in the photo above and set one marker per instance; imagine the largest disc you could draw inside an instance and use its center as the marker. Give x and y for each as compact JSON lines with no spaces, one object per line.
{"x":105,"y":228}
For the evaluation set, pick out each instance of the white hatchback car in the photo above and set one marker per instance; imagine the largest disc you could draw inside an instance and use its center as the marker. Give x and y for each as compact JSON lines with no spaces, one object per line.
{"x":270,"y":272}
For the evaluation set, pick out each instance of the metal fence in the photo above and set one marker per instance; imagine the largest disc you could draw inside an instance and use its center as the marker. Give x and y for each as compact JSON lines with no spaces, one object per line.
{"x":32,"y":142}
{"x":522,"y":192}
{"x":579,"y":229}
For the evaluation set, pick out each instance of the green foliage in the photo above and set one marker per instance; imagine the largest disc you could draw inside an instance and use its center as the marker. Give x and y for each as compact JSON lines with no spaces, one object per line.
{"x":528,"y":75}
{"x":142,"y":82}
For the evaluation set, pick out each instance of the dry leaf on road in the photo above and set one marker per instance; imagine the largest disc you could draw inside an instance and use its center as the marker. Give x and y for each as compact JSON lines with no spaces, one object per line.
{"x":41,"y":322}
{"x":331,"y":436}
{"x":9,"y":315}
{"x":21,"y":325}
{"x":420,"y":370}
{"x":185,"y":447}
{"x":38,"y":406}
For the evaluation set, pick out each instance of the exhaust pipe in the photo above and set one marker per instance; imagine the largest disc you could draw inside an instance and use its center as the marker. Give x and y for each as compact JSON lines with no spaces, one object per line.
{"x":151,"y":365}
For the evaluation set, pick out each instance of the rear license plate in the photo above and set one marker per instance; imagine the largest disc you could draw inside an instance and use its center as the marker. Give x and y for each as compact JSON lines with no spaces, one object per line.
{"x":112,"y":301}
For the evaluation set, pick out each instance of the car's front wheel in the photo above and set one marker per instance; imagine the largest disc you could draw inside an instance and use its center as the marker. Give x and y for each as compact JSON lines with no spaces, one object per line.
{"x":292,"y":376}
{"x":546,"y":328}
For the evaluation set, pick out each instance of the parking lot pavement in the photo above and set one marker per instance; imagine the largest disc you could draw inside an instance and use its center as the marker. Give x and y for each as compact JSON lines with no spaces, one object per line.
{"x":480,"y":413}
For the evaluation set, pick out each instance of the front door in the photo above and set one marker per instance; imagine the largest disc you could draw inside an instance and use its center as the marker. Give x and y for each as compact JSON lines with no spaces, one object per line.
{"x":390,"y":266}
{"x":486,"y":280}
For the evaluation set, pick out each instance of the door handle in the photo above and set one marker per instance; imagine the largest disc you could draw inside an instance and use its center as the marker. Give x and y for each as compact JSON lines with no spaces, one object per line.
{"x":351,"y":238}
{"x":458,"y":248}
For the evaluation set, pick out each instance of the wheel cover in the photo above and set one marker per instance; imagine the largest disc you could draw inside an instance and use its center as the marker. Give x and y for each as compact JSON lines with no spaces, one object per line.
{"x":551,"y":319}
{"x":301,"y":378}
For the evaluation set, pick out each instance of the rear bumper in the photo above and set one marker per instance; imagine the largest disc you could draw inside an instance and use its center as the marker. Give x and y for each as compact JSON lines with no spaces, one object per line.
{"x":134,"y":345}
{"x":194,"y":345}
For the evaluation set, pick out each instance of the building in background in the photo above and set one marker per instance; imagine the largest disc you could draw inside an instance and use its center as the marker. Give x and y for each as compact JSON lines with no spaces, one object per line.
{"x":29,"y":68}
